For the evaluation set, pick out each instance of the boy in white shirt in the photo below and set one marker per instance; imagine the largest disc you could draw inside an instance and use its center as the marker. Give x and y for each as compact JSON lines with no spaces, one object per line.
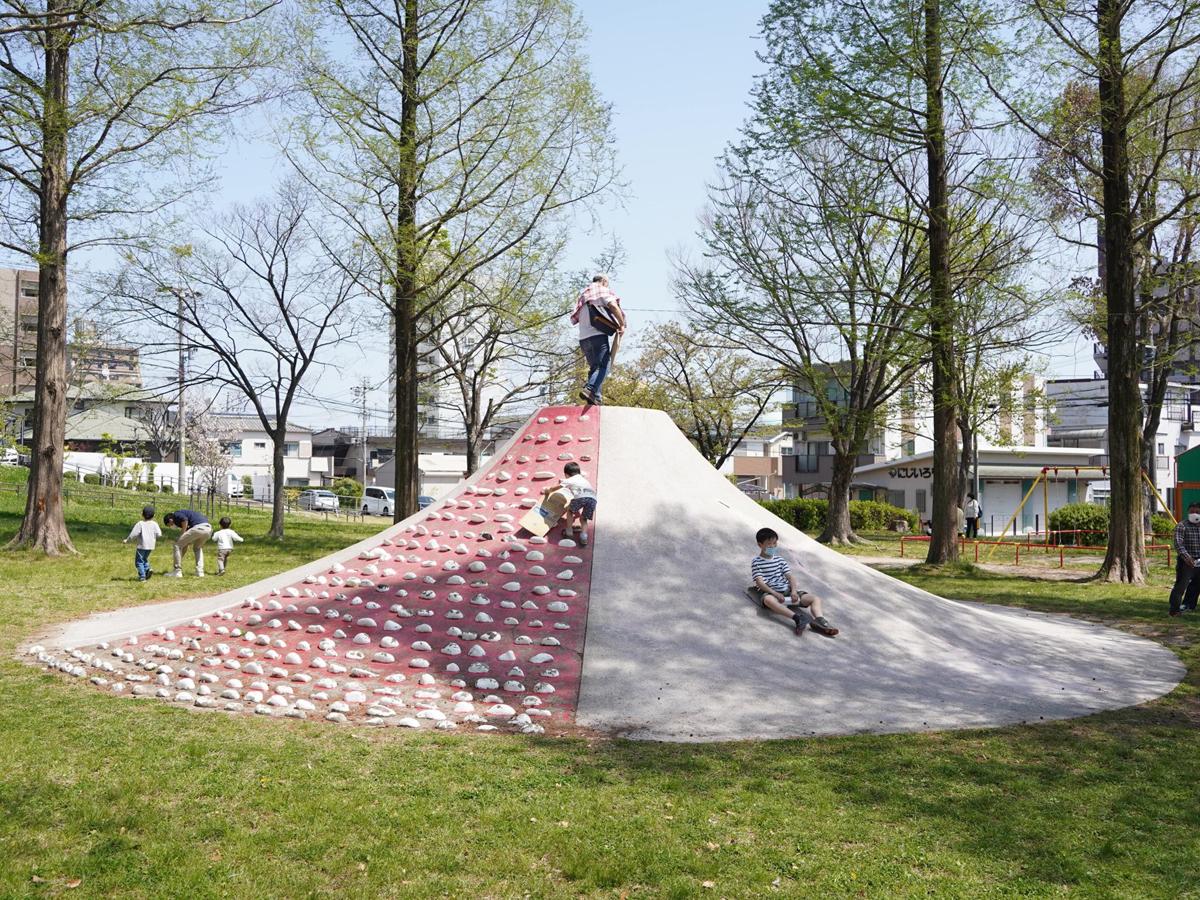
{"x":147,"y":533}
{"x":225,"y":539}
{"x":582,"y":508}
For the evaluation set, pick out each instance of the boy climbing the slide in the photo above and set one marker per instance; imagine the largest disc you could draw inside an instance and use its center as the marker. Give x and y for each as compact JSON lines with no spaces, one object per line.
{"x":775,"y":586}
{"x":582,"y":508}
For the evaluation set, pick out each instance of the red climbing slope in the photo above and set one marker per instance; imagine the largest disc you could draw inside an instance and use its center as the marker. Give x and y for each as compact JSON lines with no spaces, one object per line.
{"x":455,"y":618}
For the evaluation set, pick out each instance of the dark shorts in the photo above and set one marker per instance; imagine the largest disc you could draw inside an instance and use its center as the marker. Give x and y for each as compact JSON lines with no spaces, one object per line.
{"x":761,"y":597}
{"x":583,"y":506}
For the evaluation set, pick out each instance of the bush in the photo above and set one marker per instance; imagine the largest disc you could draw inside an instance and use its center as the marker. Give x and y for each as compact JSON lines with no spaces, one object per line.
{"x":873,"y":515}
{"x":347,"y":487}
{"x":147,"y":487}
{"x":1161,"y":525}
{"x":1091,"y":517}
{"x":810,"y":514}
{"x":247,"y":485}
{"x":167,"y":489}
{"x":91,"y":478}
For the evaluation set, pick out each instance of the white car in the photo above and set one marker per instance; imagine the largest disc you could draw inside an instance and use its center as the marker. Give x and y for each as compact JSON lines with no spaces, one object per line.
{"x":318,"y":500}
{"x":9,"y":457}
{"x":378,"y":501}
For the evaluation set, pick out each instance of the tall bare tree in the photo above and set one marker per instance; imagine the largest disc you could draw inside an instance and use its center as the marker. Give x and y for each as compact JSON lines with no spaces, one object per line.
{"x":96,"y":94}
{"x":443,"y":138}
{"x":504,"y":348}
{"x":258,"y":301}
{"x":815,"y":263}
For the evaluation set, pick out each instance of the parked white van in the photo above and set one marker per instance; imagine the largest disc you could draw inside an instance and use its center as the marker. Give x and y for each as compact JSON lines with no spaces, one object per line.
{"x":378,"y":501}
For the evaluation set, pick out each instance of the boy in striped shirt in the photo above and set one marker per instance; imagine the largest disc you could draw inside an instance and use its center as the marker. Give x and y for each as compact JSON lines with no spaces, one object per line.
{"x":775,"y":586}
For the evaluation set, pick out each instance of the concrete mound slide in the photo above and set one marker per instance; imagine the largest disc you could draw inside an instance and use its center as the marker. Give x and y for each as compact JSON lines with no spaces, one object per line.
{"x":458,"y":619}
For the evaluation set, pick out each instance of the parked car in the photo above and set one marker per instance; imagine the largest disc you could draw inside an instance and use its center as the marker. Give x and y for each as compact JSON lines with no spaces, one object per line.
{"x":423,"y":502}
{"x":318,"y":500}
{"x":9,"y":457}
{"x":378,"y":501}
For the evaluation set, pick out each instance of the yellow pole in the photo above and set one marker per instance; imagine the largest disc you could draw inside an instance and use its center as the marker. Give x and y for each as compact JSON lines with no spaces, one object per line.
{"x":1170,"y":512}
{"x":1046,"y":506}
{"x":1024,"y":500}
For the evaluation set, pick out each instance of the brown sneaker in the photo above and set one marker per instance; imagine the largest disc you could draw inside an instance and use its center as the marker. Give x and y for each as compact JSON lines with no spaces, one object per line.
{"x":821,"y":625}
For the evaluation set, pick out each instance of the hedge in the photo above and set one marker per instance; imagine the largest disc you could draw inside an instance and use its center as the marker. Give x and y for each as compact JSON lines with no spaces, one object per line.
{"x":91,"y":478}
{"x":809,"y":514}
{"x":1094,"y":517}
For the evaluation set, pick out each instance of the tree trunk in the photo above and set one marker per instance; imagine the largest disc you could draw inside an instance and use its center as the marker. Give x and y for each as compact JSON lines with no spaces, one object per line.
{"x":44,"y":527}
{"x":837,"y":524}
{"x":277,"y":493}
{"x":943,"y":545}
{"x":966,"y":459}
{"x":407,"y":263}
{"x":1125,"y":559}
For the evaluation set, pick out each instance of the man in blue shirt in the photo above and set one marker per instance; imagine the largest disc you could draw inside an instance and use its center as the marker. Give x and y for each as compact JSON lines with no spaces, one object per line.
{"x":196,"y":531}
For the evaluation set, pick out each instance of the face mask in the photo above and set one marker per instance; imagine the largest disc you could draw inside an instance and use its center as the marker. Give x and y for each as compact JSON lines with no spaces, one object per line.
{"x":774,"y":551}
{"x":1194,"y":518}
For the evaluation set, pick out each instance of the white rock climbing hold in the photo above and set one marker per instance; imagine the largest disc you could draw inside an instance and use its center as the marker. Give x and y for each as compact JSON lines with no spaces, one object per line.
{"x":507,"y":568}
{"x":476,"y":651}
{"x":419,"y":663}
{"x":540,"y":590}
{"x":514,"y":687}
{"x":408,"y":722}
{"x":565,"y":575}
{"x":551,"y":642}
{"x":558,"y":606}
{"x":537,"y":570}
{"x":572,"y":560}
{"x":477,"y":567}
{"x":483,"y":617}
{"x":543,"y":475}
{"x":421,"y":646}
{"x":362,"y":638}
{"x":539,"y":658}
{"x":487,"y":684}
{"x":501,"y":709}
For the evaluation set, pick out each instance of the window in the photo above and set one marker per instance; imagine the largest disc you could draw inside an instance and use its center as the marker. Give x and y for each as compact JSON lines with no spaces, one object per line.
{"x":896,"y":498}
{"x":909,"y":447}
{"x":920,"y":500}
{"x":131,"y":412}
{"x":1162,"y":448}
{"x":29,"y":324}
{"x":29,"y":288}
{"x":260,"y":445}
{"x":234,"y":449}
{"x":291,"y":448}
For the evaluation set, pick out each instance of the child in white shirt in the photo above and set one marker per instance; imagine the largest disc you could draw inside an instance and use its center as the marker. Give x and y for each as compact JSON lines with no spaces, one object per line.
{"x":582,"y":508}
{"x":147,"y":534}
{"x":225,"y":539}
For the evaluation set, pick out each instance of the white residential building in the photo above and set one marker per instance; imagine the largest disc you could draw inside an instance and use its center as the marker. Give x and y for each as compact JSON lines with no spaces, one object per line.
{"x":252,"y":453}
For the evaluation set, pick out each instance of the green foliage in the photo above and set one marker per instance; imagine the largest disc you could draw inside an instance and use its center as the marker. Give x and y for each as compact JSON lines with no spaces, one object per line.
{"x":810,"y":514}
{"x":147,"y":487}
{"x":1160,"y":524}
{"x":168,"y":489}
{"x":91,"y":478}
{"x":1089,"y":517}
{"x":347,"y":487}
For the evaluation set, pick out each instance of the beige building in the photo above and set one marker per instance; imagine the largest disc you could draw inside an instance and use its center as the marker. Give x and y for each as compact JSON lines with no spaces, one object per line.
{"x":89,"y":356}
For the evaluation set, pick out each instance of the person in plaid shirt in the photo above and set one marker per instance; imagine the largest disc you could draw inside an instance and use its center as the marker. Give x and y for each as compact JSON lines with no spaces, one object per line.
{"x":593,"y":342}
{"x":1187,"y":572}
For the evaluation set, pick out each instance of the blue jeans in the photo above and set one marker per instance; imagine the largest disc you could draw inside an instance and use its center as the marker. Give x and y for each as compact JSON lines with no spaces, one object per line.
{"x":141,"y":562}
{"x":597,"y":353}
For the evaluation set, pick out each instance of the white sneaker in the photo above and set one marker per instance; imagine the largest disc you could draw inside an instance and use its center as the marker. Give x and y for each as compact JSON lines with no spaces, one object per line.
{"x":175,"y":574}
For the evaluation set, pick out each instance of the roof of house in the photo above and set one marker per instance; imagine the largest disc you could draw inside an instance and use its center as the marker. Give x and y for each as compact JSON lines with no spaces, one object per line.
{"x":254,"y":423}
{"x":115,"y":391}
{"x":93,"y":424}
{"x":1024,"y":458}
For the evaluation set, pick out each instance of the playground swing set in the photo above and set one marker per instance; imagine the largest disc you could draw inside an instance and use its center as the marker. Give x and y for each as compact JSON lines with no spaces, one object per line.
{"x":1053,"y":540}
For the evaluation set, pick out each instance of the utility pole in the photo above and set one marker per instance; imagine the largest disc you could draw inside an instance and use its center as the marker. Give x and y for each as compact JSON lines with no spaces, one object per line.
{"x":360,"y":392}
{"x":182,"y":380}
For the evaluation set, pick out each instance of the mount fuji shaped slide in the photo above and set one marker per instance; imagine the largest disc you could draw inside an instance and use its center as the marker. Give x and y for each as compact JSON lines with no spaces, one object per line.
{"x":456,"y":619}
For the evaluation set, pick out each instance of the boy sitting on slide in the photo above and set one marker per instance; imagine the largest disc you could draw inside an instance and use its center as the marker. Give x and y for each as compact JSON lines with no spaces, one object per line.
{"x":775,"y":586}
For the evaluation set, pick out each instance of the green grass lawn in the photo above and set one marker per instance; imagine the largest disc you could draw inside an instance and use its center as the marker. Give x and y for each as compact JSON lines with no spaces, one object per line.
{"x":101,"y":795}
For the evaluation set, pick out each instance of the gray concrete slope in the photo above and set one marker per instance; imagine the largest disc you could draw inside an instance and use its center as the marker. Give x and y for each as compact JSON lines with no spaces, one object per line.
{"x":676,"y":652}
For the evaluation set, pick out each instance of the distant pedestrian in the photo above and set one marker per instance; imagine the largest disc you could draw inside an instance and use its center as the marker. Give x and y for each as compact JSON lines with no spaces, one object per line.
{"x":599,"y":315}
{"x":973,"y":511}
{"x":196,"y":531}
{"x":225,"y":539}
{"x":146,"y":533}
{"x":1187,"y":572}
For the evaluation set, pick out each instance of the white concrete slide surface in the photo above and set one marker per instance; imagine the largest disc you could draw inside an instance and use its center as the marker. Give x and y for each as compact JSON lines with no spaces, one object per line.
{"x":675,"y":650}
